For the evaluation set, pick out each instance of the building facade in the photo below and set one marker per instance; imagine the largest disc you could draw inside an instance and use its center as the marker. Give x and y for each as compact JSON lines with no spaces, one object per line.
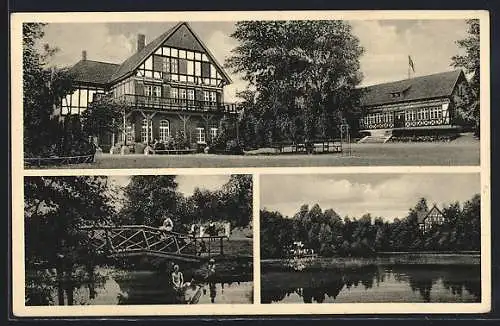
{"x":424,"y":105}
{"x":171,"y":86}
{"x":429,"y":219}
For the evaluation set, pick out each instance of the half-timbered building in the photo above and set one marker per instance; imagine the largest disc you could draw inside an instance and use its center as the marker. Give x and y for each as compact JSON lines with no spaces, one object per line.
{"x":420,"y":106}
{"x":427,"y":219}
{"x":169,"y":86}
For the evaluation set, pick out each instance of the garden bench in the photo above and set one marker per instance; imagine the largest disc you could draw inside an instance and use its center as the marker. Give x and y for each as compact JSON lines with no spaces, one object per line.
{"x":174,"y":151}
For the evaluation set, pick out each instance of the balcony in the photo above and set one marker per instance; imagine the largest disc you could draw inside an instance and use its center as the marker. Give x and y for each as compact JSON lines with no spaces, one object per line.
{"x":177,"y":104}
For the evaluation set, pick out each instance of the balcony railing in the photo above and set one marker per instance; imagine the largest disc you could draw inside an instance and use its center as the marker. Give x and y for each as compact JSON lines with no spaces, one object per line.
{"x":177,"y":104}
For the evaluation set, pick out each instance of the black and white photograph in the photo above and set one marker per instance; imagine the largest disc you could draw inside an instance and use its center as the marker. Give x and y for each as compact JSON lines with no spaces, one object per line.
{"x":368,"y":238}
{"x":251,"y":93}
{"x":138,"y":240}
{"x":243,"y":163}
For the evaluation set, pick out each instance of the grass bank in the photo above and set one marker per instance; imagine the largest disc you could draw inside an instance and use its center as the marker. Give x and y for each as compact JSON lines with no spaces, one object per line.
{"x":389,"y":154}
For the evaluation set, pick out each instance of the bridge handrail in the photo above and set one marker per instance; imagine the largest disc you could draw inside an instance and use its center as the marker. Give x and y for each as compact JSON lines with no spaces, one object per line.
{"x":147,"y":227}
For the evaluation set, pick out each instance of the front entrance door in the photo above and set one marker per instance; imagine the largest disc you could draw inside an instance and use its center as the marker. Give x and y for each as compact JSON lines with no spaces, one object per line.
{"x":399,"y":119}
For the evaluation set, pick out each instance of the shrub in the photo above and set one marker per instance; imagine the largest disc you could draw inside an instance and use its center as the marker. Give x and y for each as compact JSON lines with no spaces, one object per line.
{"x":234,"y":147}
{"x":139,"y":148}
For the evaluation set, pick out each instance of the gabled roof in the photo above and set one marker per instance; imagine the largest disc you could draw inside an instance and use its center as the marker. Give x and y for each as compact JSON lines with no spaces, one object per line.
{"x":422,"y":215}
{"x":93,"y":72}
{"x":89,"y":71}
{"x":418,"y":88}
{"x":132,"y":63}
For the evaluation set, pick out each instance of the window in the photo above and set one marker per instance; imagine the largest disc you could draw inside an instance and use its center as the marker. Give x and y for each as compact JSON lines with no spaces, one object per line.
{"x":174,"y":66}
{"x":190,"y":67}
{"x":213,"y":71}
{"x":213,"y":97}
{"x":206,"y":96}
{"x":197,"y":69}
{"x":152,"y":90}
{"x":165,"y":64}
{"x":130,"y":132}
{"x":182,"y":93}
{"x":200,"y":135}
{"x":190,"y":94}
{"x":147,"y":130}
{"x":213,"y":133}
{"x":164,"y":130}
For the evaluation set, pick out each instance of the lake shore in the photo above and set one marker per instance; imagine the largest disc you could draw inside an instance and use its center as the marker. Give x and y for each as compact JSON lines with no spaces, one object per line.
{"x":392,"y":258}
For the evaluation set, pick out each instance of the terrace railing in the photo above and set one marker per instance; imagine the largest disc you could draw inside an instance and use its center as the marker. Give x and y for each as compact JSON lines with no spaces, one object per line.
{"x":177,"y":104}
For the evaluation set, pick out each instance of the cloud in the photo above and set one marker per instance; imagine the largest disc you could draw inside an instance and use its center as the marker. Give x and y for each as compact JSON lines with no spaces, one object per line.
{"x":387,"y":44}
{"x":431,"y":43}
{"x":95,"y":38}
{"x":187,"y":183}
{"x":388,"y":196}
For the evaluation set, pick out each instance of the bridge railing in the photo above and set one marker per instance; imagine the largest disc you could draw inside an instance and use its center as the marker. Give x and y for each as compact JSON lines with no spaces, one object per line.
{"x":146,"y":239}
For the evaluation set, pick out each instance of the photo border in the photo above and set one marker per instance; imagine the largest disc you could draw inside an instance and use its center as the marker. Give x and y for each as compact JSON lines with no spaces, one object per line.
{"x":18,"y":173}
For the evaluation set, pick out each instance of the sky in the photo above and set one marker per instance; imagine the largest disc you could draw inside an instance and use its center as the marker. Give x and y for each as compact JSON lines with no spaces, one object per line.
{"x":186,"y":183}
{"x":387,"y":44}
{"x":386,"y":195}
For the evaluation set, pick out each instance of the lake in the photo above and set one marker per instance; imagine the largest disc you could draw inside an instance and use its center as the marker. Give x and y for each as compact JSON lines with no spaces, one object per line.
{"x":119,"y":287}
{"x":382,"y":283}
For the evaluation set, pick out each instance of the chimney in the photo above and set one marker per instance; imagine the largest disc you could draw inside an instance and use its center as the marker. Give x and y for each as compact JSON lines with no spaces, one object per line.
{"x":141,"y":42}
{"x":84,"y":55}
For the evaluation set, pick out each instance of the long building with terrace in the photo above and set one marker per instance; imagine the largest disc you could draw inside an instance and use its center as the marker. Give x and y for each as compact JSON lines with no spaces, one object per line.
{"x":170,"y":86}
{"x":423,"y":107}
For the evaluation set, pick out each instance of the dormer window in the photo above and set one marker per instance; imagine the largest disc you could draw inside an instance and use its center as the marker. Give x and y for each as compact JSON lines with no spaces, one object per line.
{"x":395,"y":94}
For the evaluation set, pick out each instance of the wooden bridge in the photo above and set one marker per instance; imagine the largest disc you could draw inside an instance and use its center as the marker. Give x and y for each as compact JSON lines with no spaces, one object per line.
{"x":142,"y":240}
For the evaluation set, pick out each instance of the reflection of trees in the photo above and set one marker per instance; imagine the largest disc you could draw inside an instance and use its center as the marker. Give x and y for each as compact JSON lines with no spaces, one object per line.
{"x":42,"y":286}
{"x":146,"y":289}
{"x":454,"y":278}
{"x":316,"y":287}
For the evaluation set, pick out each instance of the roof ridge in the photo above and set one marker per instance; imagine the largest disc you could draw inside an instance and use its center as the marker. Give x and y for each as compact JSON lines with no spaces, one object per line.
{"x":144,"y":52}
{"x":109,"y":63}
{"x":417,"y":77}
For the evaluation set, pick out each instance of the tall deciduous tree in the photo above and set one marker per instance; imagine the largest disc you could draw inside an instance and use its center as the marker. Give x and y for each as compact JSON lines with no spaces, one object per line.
{"x":470,"y":61}
{"x":43,"y":89}
{"x":55,"y":210}
{"x":149,"y":198}
{"x":304,"y":73}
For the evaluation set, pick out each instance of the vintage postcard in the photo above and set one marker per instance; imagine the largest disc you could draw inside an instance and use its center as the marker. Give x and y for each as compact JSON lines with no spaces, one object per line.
{"x":246,"y":91}
{"x":250,"y":163}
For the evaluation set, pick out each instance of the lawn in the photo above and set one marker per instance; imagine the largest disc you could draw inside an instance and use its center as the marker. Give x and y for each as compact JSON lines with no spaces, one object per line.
{"x":389,"y":154}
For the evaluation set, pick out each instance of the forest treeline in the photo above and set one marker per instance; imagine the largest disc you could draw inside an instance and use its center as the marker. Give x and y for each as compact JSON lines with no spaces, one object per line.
{"x":330,"y":235}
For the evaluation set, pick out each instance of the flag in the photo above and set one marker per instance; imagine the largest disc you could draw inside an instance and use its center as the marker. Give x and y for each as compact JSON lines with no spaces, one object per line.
{"x":410,"y":63}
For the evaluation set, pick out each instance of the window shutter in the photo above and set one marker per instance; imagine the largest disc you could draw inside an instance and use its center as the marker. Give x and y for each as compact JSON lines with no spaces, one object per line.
{"x":205,"y":69}
{"x":199,"y":95}
{"x":157,"y":63}
{"x":139,"y":87}
{"x":182,"y":66}
{"x":165,"y":91}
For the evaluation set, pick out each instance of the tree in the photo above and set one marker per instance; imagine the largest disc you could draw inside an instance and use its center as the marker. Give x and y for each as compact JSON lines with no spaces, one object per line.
{"x":55,"y":210}
{"x":43,"y":89}
{"x":236,"y":199}
{"x":104,"y":115}
{"x":149,"y":198}
{"x":304,"y":74}
{"x":471,"y":62}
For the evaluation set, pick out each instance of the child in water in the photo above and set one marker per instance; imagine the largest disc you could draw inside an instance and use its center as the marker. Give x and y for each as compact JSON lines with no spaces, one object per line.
{"x":177,"y":278}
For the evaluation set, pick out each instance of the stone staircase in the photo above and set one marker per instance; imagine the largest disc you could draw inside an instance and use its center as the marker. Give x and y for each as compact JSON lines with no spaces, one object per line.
{"x":376,"y":137}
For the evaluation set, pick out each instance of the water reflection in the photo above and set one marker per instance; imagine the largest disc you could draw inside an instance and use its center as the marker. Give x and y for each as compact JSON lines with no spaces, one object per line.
{"x":403,"y":283}
{"x":147,"y":287}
